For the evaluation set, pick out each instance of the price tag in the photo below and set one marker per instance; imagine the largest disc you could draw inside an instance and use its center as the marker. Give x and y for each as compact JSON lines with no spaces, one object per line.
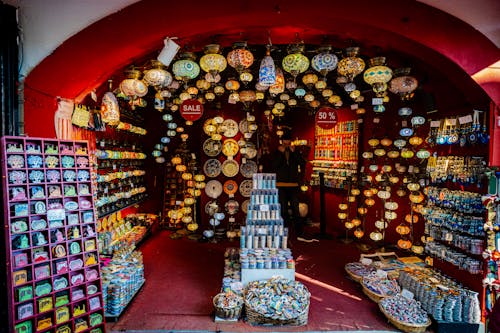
{"x":264,"y":208}
{"x":377,"y":101}
{"x":407,"y":294}
{"x":404,"y":123}
{"x":354,"y":106}
{"x":451,"y":122}
{"x":101,"y":144}
{"x":465,"y":119}
{"x":381,"y":273}
{"x":435,"y":123}
{"x":133,"y":147}
{"x":410,"y":169}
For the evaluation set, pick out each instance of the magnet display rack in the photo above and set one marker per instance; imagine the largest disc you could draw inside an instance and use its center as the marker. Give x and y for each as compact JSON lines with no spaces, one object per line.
{"x":53,"y":274}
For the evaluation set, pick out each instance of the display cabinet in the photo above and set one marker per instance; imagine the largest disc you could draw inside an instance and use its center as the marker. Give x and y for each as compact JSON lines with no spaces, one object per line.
{"x":53,"y":273}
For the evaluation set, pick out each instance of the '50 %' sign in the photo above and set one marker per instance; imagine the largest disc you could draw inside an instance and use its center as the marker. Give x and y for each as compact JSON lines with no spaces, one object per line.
{"x":326,"y":117}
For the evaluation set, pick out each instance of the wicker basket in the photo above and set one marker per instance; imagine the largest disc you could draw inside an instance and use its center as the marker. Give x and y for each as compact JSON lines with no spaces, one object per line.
{"x":357,"y":278}
{"x":255,"y":318}
{"x":372,"y":295}
{"x":406,"y":327}
{"x":227,"y":312}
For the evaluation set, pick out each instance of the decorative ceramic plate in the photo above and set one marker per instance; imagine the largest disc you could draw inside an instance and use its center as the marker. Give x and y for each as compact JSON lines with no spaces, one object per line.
{"x":230,"y":168}
{"x":250,"y":150}
{"x":232,"y":207}
{"x":230,"y":147}
{"x":230,"y":187}
{"x":211,"y":147}
{"x":230,"y":128}
{"x":244,"y":206}
{"x":212,"y":167}
{"x":243,"y":126}
{"x":213,"y":189}
{"x":246,"y":187}
{"x":211,"y":207}
{"x":248,"y":169}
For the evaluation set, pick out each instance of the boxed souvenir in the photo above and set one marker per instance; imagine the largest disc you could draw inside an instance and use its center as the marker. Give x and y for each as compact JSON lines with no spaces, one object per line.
{"x":44,"y":304}
{"x":24,"y":311}
{"x":24,"y":293}
{"x":62,"y":314}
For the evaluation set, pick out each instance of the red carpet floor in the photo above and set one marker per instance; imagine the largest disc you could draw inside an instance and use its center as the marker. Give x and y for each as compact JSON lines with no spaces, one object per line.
{"x":182,"y":276}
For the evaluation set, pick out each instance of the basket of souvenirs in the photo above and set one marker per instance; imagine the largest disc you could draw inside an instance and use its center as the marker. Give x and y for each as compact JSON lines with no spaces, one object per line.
{"x":377,"y":287}
{"x":277,"y":302}
{"x":406,"y":314}
{"x":358,"y":270}
{"x":228,"y":305}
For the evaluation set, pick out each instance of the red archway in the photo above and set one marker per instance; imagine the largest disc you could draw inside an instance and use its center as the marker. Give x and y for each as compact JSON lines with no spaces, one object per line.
{"x":90,"y":57}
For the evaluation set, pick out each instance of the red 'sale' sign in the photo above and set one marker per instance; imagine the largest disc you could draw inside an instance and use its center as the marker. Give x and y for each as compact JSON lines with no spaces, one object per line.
{"x":191,"y":109}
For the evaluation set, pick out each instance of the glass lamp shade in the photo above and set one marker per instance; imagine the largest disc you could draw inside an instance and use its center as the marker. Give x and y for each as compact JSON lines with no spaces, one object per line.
{"x":133,"y":87}
{"x":157,"y":76}
{"x":199,"y":177}
{"x":403,"y":84}
{"x":351,"y":65}
{"x":240,"y":58}
{"x":404,"y":244}
{"x":247,"y":96}
{"x":349,"y":225}
{"x":202,"y":84}
{"x":310,"y":79}
{"x":219,"y":90}
{"x":378,"y":72}
{"x":232,"y":85}
{"x":403,"y":229}
{"x":213,"y":62}
{"x":246,"y":77}
{"x":267,"y":71}
{"x":210,"y":96}
{"x":315,"y":104}
{"x":356,"y":222}
{"x":359,"y":233}
{"x":186,"y":69}
{"x":180,"y":167}
{"x":187,"y":176}
{"x":300,"y":92}
{"x":295,"y":63}
{"x":376,"y":236}
{"x":324,"y":62}
{"x":279,"y":86}
{"x":176,"y":160}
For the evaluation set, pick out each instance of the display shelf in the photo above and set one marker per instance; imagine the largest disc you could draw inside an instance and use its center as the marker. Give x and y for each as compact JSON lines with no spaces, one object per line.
{"x":50,"y":224}
{"x":114,"y":317}
{"x":124,"y":207}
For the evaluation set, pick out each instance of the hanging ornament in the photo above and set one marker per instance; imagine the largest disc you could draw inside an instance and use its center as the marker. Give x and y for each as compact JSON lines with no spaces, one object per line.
{"x":403,"y":84}
{"x":295,"y":62}
{"x":212,"y":62}
{"x":351,"y":65}
{"x":267,"y":71}
{"x":324,"y":62}
{"x":240,"y":58}
{"x":157,"y":76}
{"x":377,"y":75}
{"x":279,"y":86}
{"x":186,"y":68}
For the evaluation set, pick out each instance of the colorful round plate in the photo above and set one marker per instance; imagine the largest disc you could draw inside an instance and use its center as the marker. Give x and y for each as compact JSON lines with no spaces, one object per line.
{"x":244,"y":206}
{"x":229,"y":128}
{"x":212,"y":147}
{"x":230,"y":168}
{"x":213,"y":189}
{"x":230,"y":147}
{"x":246,"y":187}
{"x":248,"y":169}
{"x":212,"y":167}
{"x":232,"y":207}
{"x":230,"y":187}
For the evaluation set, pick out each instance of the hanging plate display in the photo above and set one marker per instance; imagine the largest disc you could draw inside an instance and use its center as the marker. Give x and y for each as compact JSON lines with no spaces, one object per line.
{"x":250,"y":150}
{"x":244,"y":206}
{"x":230,"y":187}
{"x":230,"y":147}
{"x":243,"y":126}
{"x":211,"y":147}
{"x":232,"y":207}
{"x":246,"y":187}
{"x":230,"y":168}
{"x":248,"y":169}
{"x":213,"y":189}
{"x":211,"y":207}
{"x":212,"y":167}
{"x":229,"y":128}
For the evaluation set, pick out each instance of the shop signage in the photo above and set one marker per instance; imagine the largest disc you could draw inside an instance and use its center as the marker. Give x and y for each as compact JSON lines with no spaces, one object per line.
{"x":326,"y":117}
{"x":191,"y":109}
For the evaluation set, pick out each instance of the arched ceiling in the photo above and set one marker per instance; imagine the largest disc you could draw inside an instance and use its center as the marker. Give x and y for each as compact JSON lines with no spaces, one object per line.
{"x":87,"y":59}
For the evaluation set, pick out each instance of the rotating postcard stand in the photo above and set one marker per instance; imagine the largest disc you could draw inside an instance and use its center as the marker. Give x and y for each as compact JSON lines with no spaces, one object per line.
{"x":263,"y":242}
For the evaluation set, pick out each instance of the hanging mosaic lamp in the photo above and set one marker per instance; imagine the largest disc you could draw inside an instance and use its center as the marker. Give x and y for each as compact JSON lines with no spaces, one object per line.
{"x":240,"y":58}
{"x":377,"y":75}
{"x":132,"y":86}
{"x":212,"y":61}
{"x":351,"y":65}
{"x":157,"y":76}
{"x":310,"y":79}
{"x":267,"y":70}
{"x":247,"y":97}
{"x":186,"y":68}
{"x":324,"y":62}
{"x":403,"y":84}
{"x":279,"y":86}
{"x":295,"y":62}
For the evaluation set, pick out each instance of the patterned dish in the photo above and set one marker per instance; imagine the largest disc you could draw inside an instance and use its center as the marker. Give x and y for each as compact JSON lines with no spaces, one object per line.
{"x":246,"y":187}
{"x":213,"y":189}
{"x":230,"y":168}
{"x":212,"y":167}
{"x":230,"y":147}
{"x":229,"y":128}
{"x":212,"y":147}
{"x":248,"y":169}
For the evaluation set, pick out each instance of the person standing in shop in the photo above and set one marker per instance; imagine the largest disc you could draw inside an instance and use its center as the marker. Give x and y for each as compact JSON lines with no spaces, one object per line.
{"x":289,"y":165}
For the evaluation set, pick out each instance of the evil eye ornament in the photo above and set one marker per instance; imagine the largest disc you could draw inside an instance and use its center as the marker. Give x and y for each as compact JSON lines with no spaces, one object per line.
{"x":406,"y":132}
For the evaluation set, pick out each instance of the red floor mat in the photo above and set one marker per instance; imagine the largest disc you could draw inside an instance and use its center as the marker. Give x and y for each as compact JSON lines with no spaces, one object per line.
{"x":182,"y":276}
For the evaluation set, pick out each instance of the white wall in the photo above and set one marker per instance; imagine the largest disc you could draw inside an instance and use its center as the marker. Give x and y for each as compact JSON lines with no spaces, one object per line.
{"x":46,"y":24}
